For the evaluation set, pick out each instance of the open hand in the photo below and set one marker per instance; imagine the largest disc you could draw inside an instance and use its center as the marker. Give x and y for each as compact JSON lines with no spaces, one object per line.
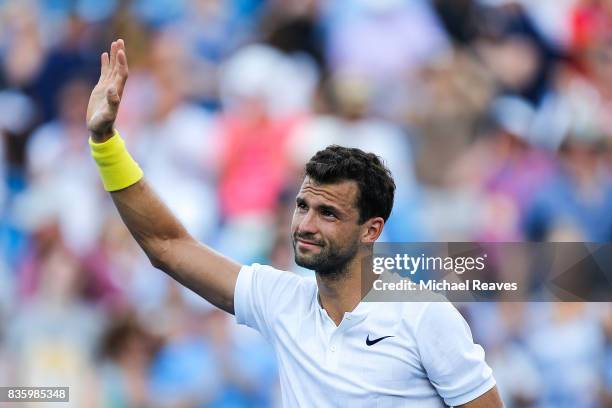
{"x":106,"y":96}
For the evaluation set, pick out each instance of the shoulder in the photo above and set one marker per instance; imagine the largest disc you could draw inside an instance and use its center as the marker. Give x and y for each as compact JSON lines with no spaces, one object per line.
{"x":264,"y":293}
{"x":269,"y":281}
{"x":270,"y":274}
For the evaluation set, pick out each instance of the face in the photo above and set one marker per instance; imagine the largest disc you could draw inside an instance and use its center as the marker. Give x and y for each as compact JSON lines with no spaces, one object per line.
{"x":325,"y":229}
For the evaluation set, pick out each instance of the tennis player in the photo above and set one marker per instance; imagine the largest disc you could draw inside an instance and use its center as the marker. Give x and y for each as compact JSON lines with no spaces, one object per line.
{"x":333,"y":349}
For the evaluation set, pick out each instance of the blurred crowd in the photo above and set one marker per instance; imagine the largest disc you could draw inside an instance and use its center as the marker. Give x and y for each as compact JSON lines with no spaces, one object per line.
{"x":494,"y":116}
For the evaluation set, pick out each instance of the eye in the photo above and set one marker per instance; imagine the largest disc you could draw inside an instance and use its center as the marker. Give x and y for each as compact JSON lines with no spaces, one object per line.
{"x":327,"y":213}
{"x":301,"y":205}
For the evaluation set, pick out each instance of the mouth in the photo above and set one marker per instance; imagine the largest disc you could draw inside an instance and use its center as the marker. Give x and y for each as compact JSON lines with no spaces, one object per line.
{"x":307,"y":244}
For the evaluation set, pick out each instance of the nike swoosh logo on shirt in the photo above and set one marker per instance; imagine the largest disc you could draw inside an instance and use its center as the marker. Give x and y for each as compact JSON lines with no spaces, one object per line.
{"x":374,"y":341}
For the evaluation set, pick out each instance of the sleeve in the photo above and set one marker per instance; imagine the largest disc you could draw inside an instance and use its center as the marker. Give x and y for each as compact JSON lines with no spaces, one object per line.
{"x":455,"y":366}
{"x":259,"y":295}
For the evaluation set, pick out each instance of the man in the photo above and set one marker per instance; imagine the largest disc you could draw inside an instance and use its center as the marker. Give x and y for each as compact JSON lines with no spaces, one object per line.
{"x":333,"y":349}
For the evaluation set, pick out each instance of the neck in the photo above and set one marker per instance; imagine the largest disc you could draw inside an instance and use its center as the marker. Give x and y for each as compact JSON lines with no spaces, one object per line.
{"x":341,"y":293}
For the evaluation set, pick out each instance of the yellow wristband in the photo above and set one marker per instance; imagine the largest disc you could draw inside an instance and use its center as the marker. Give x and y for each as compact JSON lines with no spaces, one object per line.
{"x":117,"y":168}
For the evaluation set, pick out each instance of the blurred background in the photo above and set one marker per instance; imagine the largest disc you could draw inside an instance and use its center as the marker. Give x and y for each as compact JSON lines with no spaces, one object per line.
{"x":495,"y":117}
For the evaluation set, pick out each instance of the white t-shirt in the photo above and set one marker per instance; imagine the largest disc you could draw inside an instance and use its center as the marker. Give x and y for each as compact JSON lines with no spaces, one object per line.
{"x":412,"y":354}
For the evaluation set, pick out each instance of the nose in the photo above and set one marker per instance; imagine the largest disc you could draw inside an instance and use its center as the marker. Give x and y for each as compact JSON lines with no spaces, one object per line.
{"x":307,"y":223}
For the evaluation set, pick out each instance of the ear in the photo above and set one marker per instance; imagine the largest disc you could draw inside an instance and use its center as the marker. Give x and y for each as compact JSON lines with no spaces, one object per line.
{"x":372,"y":229}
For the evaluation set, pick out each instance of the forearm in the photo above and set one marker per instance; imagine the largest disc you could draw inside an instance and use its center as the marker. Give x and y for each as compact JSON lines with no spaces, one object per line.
{"x":149,"y":221}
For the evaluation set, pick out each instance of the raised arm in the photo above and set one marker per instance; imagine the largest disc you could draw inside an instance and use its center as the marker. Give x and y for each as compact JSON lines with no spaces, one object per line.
{"x":158,"y":232}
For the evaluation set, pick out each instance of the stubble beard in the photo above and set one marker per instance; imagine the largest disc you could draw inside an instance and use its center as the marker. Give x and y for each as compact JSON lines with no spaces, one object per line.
{"x":331,"y":262}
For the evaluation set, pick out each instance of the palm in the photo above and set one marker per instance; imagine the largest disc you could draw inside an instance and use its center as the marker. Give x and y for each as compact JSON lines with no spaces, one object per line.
{"x":106,"y":96}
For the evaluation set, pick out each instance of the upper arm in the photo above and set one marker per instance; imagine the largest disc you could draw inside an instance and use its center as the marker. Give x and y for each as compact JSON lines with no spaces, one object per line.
{"x":489,"y":399}
{"x":454,"y":364}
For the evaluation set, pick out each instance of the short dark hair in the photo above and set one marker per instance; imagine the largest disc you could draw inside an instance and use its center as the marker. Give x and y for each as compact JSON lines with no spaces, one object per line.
{"x":376,"y":186}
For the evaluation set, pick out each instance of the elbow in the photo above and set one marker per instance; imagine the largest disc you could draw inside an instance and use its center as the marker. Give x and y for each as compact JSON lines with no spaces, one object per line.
{"x":157,"y":263}
{"x":168,"y":254}
{"x":159,"y":254}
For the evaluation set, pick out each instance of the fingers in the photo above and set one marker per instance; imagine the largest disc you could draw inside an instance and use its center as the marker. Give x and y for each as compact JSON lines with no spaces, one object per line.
{"x":116,"y":47}
{"x":117,"y":70}
{"x":122,"y":65}
{"x":122,"y":69}
{"x":113,"y":55}
{"x":104,"y":63}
